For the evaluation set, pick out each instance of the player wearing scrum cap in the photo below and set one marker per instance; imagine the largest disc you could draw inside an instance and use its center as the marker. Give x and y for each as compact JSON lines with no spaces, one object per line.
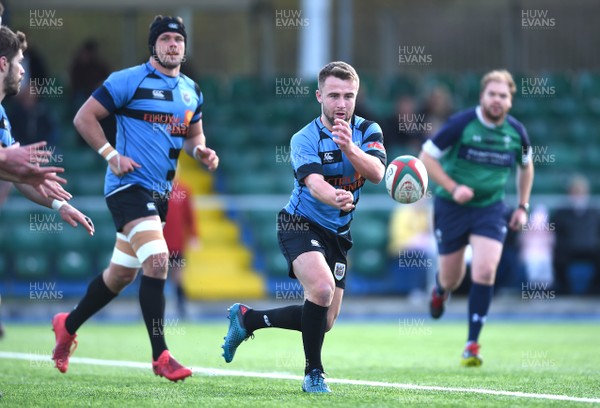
{"x":158,"y":112}
{"x":470,"y":159}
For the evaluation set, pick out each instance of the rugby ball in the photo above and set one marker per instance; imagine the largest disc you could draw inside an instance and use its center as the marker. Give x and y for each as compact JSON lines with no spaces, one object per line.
{"x":406,"y":179}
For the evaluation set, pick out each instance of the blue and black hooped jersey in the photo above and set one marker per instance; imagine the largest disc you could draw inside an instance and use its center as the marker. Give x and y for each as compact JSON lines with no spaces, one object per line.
{"x":6,"y":138}
{"x":314,"y":151}
{"x":153,"y":113}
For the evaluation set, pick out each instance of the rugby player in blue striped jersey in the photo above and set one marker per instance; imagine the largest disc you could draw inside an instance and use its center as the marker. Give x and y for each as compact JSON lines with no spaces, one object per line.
{"x":333,"y":156}
{"x":159,"y":113}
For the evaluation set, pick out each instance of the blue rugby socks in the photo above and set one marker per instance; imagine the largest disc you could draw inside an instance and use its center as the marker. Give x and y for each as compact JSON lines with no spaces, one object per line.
{"x":480,"y":297}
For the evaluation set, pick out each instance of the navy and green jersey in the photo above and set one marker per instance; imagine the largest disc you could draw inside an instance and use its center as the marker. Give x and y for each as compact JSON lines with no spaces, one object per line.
{"x":153,"y":112}
{"x":314,"y":151}
{"x":6,"y":138}
{"x":478,"y":154}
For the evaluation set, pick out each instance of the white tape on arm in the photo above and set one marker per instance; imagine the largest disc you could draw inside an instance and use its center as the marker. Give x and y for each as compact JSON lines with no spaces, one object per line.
{"x":56,"y":204}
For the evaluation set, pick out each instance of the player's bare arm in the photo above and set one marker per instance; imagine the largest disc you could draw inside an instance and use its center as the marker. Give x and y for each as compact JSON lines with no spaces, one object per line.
{"x":87,"y":122}
{"x":195,"y":146}
{"x":460,"y":192}
{"x":67,"y":212}
{"x":327,"y":194}
{"x":524,"y":184}
{"x":370,"y":167}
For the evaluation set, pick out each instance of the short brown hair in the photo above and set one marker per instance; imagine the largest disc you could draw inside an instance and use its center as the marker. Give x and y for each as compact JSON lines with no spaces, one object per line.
{"x":11,"y":43}
{"x":499,"y":75}
{"x":338,"y":69}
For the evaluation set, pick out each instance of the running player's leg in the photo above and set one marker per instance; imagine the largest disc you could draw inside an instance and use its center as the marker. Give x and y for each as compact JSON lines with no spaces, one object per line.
{"x":452,"y":225}
{"x":147,"y":240}
{"x":488,"y":234}
{"x":104,"y":288}
{"x":316,"y":278}
{"x":486,"y":256}
{"x":452,"y":269}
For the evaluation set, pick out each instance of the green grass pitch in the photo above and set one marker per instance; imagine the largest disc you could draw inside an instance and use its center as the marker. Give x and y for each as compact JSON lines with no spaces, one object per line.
{"x":537,"y":358}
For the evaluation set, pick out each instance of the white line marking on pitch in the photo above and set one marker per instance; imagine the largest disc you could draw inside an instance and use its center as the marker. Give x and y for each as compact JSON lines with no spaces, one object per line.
{"x":279,"y":376}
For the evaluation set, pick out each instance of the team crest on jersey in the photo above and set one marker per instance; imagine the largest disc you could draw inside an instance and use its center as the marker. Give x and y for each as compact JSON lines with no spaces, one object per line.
{"x":339,"y":271}
{"x":186,"y":97}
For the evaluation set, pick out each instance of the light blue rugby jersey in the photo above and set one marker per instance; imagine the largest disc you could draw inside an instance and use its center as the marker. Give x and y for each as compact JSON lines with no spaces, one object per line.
{"x":314,"y":151}
{"x":153,"y":113}
{"x":6,"y":138}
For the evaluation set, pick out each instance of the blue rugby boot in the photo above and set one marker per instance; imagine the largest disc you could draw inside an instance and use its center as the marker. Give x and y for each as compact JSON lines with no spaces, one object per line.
{"x":314,"y":381}
{"x":237,"y":331}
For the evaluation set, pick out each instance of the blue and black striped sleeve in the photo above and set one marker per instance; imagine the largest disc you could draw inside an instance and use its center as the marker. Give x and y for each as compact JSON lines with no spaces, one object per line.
{"x":373,"y":142}
{"x":305,"y":157}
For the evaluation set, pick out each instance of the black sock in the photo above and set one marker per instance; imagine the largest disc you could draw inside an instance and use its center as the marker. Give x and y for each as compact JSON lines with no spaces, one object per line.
{"x":152,"y":303}
{"x":314,"y":321}
{"x":97,"y":296}
{"x":289,"y":317}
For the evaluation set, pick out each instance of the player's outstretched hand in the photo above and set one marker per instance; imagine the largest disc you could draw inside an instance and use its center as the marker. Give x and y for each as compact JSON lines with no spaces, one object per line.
{"x":208,"y":157}
{"x":344,"y":200}
{"x":121,"y":165}
{"x":52,"y":189}
{"x":73,"y":216}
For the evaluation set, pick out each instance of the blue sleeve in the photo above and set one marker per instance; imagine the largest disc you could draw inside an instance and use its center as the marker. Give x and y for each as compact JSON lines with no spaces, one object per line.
{"x":6,"y":138}
{"x":115,"y":92}
{"x":103,"y":96}
{"x":526,"y":151}
{"x":451,"y":131}
{"x":373,"y":142}
{"x":305,"y":157}
{"x":198,"y":113}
